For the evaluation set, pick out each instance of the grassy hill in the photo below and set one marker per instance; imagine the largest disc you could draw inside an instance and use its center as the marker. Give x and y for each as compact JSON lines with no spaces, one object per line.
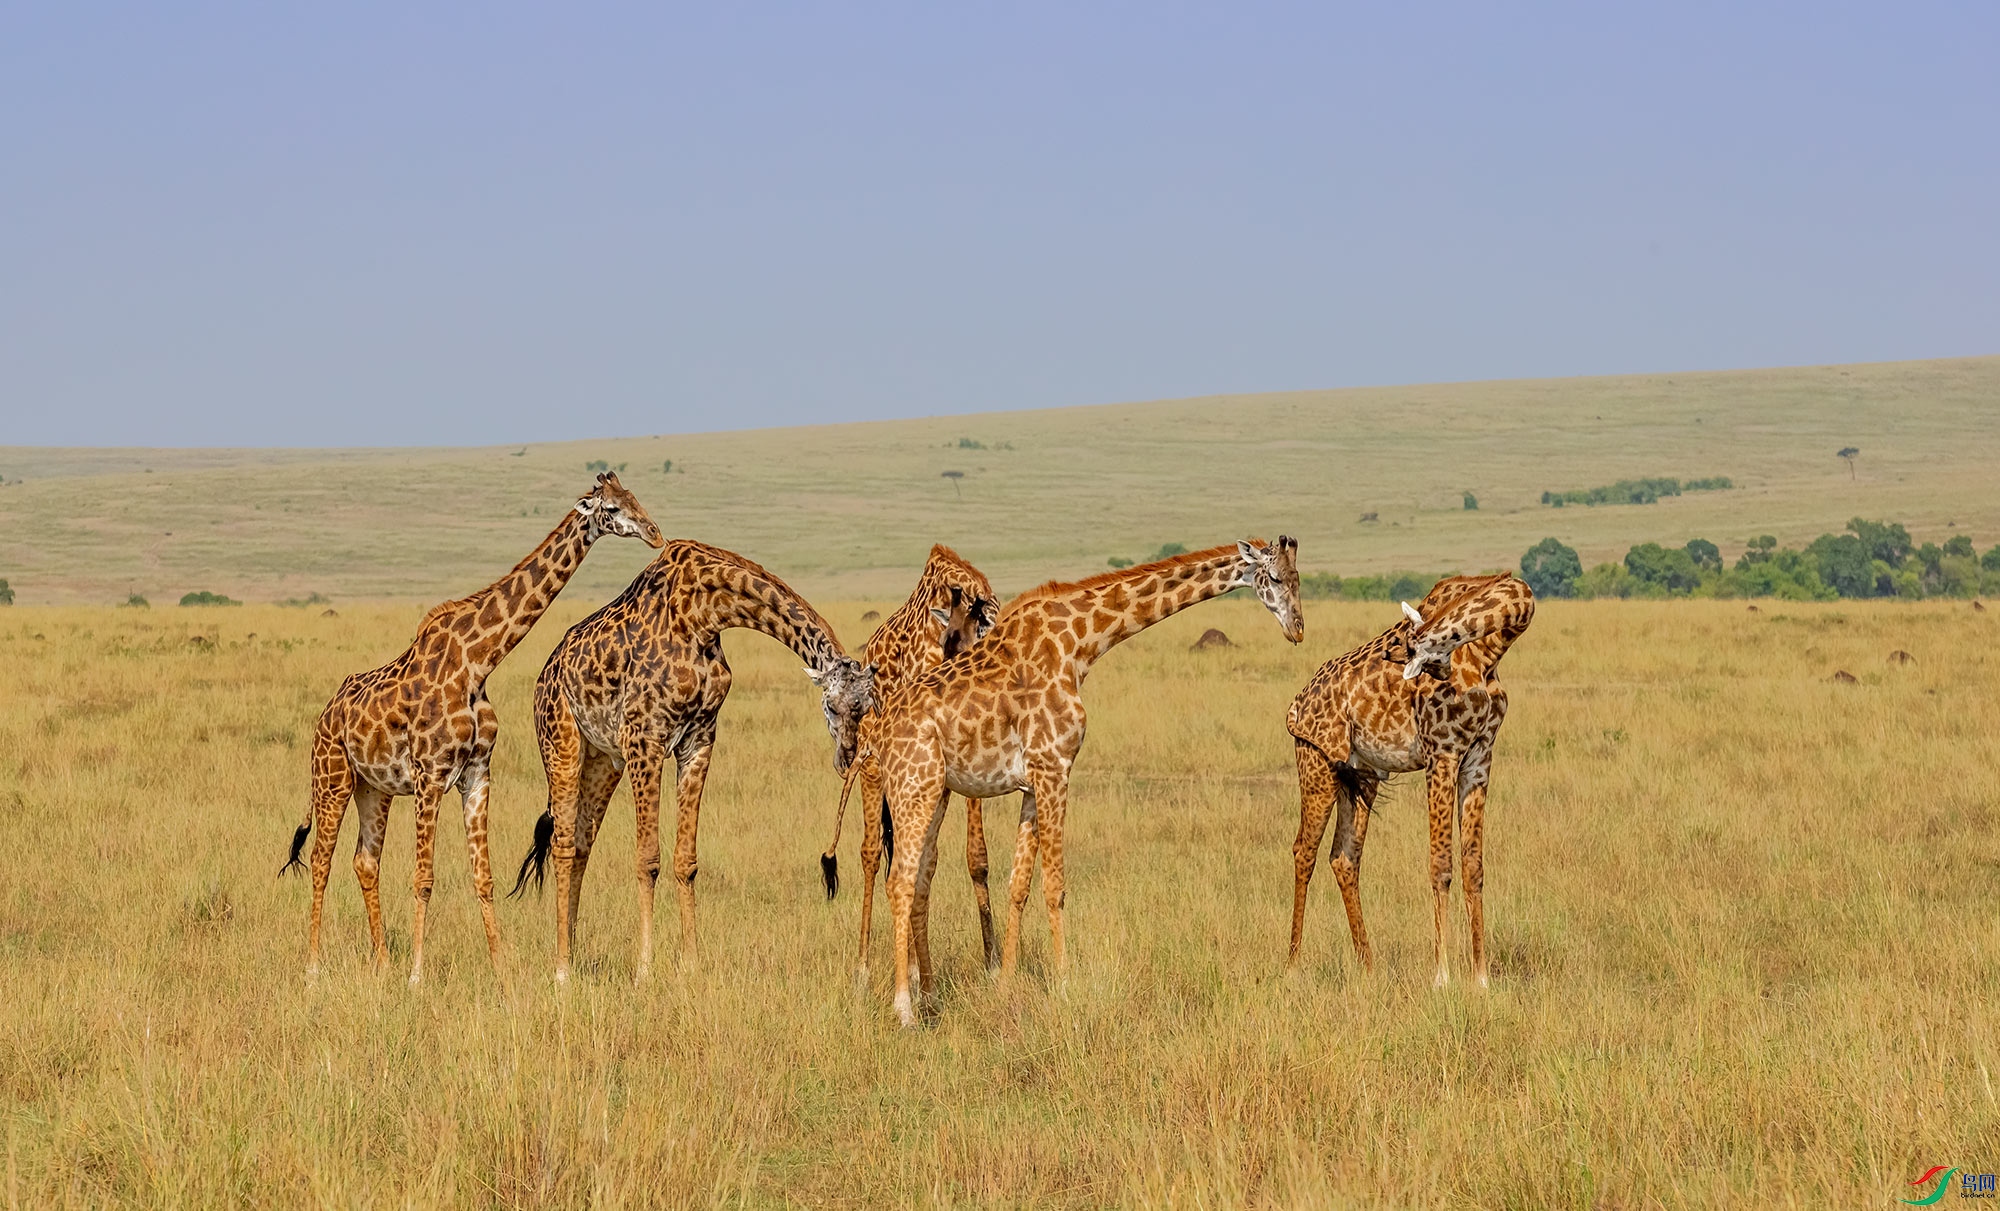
{"x":848,"y":511}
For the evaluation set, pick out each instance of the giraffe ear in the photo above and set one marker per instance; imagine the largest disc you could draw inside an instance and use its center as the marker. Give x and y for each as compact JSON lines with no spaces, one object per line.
{"x":586,"y":506}
{"x":1249,"y":552}
{"x":814,"y":675}
{"x":1410,"y":612}
{"x":943,"y":616}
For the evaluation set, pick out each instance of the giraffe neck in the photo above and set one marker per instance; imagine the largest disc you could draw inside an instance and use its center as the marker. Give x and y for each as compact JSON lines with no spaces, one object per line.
{"x":730,"y":594}
{"x":1482,"y":625}
{"x":910,"y":641}
{"x":1118,"y":605}
{"x":509,"y":608}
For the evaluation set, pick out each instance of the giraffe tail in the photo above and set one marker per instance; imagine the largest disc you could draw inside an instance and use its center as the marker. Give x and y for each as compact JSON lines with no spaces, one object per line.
{"x":298,"y":847}
{"x":829,"y":862}
{"x":537,"y":859}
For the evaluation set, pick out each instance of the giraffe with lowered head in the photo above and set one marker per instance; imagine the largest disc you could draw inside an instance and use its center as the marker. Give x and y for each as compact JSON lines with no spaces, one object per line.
{"x":421,"y":724}
{"x":1422,"y":695}
{"x":1007,"y":715}
{"x":642,"y":681}
{"x":951,"y":607}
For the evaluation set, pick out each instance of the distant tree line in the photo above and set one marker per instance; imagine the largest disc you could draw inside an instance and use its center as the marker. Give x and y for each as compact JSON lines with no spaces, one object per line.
{"x":1868,"y":559}
{"x":1634,"y":491}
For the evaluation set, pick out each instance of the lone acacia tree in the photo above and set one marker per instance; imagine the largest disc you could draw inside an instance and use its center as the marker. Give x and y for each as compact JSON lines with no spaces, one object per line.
{"x":954,"y":477}
{"x":1850,"y":453}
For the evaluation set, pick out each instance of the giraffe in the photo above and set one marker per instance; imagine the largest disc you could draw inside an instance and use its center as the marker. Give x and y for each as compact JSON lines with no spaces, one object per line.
{"x":643,"y":679}
{"x":951,"y":607}
{"x":1007,"y":715}
{"x":421,"y":724}
{"x":1422,"y":695}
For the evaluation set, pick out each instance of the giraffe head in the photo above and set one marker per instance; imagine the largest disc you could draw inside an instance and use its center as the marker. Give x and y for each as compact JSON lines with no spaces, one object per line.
{"x":846,"y":693}
{"x":1272,"y":570}
{"x":1429,"y":646}
{"x":961,"y":599}
{"x":610,"y":509}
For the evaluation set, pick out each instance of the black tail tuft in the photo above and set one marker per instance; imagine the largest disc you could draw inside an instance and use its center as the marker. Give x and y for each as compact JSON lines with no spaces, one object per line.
{"x":888,"y":834}
{"x":537,"y":860}
{"x":298,"y":847}
{"x":829,"y":873}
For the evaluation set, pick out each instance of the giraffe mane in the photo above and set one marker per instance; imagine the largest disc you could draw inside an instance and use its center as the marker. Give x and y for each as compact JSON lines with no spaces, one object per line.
{"x":1056,"y":588}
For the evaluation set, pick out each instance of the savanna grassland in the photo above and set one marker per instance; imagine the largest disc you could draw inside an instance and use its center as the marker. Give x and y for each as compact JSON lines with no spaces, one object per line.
{"x":846,"y":512}
{"x":1742,"y":916}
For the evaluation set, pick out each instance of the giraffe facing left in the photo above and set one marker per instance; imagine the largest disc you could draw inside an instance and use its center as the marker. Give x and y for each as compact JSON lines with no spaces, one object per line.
{"x":421,"y":724}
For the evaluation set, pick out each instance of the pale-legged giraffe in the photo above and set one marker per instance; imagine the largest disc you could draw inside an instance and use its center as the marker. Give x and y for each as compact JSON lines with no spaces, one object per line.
{"x":1422,"y":695}
{"x":1007,"y":715}
{"x":951,"y":607}
{"x":642,"y":680}
{"x":421,"y":724}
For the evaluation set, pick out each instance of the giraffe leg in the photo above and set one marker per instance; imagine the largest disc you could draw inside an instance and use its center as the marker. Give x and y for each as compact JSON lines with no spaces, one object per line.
{"x":430,"y":794}
{"x":596,"y":781}
{"x":1317,"y":791}
{"x":645,"y":759}
{"x":920,"y":912}
{"x":1049,"y":811}
{"x":333,"y":786}
{"x":372,"y":808}
{"x":692,"y":766}
{"x":1472,"y":828}
{"x":1443,"y":807}
{"x":975,"y":864}
{"x":874,"y":807}
{"x":474,"y":785}
{"x":909,"y":802}
{"x":561,"y":744}
{"x":1349,"y":834}
{"x":1018,"y":883}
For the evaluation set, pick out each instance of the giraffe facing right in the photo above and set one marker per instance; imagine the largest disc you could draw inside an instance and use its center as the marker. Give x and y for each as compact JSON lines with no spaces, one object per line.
{"x":1008,"y":716}
{"x":1422,"y":695}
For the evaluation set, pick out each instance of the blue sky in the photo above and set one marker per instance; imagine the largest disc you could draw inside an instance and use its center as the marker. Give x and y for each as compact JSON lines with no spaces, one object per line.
{"x":257,"y":225}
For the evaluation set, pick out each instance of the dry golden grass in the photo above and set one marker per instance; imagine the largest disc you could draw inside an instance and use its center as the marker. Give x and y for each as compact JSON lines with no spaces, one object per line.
{"x":1743,"y":920}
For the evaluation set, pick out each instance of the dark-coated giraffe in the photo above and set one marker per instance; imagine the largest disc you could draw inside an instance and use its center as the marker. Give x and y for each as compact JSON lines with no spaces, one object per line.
{"x":421,"y":724}
{"x":1007,"y":715}
{"x":952,"y":606}
{"x":1422,"y":695}
{"x":642,"y":680}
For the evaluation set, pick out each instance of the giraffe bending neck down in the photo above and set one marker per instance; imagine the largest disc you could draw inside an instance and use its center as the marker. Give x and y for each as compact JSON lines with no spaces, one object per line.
{"x":1007,"y":715}
{"x":421,"y":724}
{"x":1422,"y":695}
{"x":642,"y":681}
{"x":952,"y":606}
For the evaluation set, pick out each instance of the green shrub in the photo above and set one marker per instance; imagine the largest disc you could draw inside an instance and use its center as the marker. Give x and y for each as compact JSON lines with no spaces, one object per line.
{"x":1551,"y":569}
{"x":1705,"y":554}
{"x":1119,"y":562}
{"x":1662,"y":571}
{"x":138,"y":602}
{"x":1471,"y":503}
{"x":1606,"y":580}
{"x":6,"y":593}
{"x":206,"y":598}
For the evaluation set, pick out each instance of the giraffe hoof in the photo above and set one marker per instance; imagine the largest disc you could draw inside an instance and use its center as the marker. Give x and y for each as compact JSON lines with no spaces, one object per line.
{"x":562,"y":976}
{"x":904,"y":1014}
{"x":1443,"y":978}
{"x":416,"y":978}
